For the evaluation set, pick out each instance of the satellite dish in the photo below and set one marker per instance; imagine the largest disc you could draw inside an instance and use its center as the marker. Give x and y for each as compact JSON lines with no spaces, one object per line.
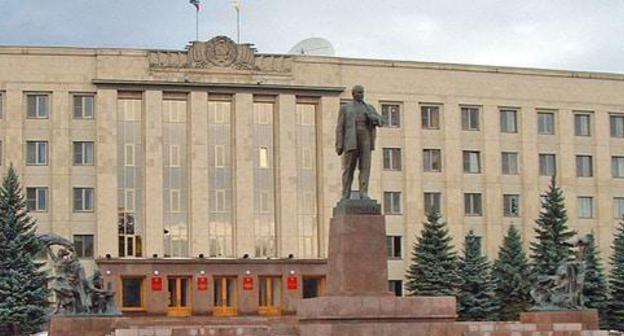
{"x":313,"y":46}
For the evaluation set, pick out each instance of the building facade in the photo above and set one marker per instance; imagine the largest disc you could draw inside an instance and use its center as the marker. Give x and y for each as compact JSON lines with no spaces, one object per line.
{"x":219,"y":151}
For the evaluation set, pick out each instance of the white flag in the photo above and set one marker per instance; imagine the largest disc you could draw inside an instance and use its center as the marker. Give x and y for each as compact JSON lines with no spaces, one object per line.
{"x":236,"y":4}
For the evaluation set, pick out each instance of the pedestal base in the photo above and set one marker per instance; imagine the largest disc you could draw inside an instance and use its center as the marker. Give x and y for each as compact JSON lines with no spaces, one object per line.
{"x":544,"y":320}
{"x":377,"y":315}
{"x":84,"y":325}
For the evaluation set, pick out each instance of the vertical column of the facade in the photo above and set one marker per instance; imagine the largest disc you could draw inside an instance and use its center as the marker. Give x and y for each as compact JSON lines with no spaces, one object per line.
{"x":413,"y":210}
{"x":198,"y":182}
{"x":529,"y":170}
{"x":107,"y":166}
{"x":604,"y":197}
{"x":153,"y":222}
{"x":59,"y":164}
{"x":566,"y":162}
{"x":453,"y":202}
{"x":492,"y":191}
{"x":329,"y":167}
{"x":286,"y":173}
{"x":243,"y":174}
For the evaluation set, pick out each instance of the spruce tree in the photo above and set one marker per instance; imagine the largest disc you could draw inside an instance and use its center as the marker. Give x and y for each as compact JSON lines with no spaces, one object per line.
{"x":476,"y":301}
{"x":511,"y":277}
{"x":433,"y":268}
{"x":23,"y":286}
{"x":549,"y":249}
{"x":595,"y":286}
{"x":615,"y":307}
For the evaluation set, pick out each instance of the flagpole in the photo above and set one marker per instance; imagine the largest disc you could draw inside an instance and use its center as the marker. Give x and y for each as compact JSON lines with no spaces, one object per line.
{"x":237,"y":25}
{"x":197,"y":25}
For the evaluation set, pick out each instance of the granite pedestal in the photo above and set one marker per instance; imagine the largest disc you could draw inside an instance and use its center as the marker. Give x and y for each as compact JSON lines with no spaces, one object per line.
{"x":358,"y":301}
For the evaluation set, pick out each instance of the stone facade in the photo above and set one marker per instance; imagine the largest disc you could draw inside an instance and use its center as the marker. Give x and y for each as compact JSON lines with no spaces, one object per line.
{"x":281,"y":219}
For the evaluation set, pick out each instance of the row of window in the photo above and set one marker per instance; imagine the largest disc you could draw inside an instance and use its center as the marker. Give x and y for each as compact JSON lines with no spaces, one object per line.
{"x":432,"y":162}
{"x":473,"y":205}
{"x":38,"y":105}
{"x":37,"y":199}
{"x":471,"y":119}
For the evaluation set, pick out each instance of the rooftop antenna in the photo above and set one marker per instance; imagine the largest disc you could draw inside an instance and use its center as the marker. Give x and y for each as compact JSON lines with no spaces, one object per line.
{"x":313,"y":46}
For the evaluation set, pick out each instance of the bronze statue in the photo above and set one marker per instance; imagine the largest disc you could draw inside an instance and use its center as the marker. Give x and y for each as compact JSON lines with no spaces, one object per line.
{"x":564,"y":289}
{"x":74,"y":293}
{"x":355,"y":140}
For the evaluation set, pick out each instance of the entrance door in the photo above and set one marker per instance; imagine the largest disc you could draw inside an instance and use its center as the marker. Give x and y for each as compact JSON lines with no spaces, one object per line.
{"x":225,"y":296}
{"x":179,"y":296}
{"x":270,"y":295}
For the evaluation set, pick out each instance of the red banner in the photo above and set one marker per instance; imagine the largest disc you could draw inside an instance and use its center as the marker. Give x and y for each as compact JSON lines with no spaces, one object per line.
{"x":291,"y":283}
{"x":247,"y":283}
{"x":202,"y":283}
{"x":156,"y":283}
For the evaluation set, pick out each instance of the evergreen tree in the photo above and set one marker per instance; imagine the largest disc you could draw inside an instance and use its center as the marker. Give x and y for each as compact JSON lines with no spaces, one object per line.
{"x":511,"y":277}
{"x":549,"y":249}
{"x":615,"y":307}
{"x":595,"y":287}
{"x":476,"y":301}
{"x":23,"y":286}
{"x":433,"y":270}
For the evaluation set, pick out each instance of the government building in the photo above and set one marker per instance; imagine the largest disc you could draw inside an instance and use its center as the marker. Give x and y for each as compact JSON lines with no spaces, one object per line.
{"x":202,"y":180}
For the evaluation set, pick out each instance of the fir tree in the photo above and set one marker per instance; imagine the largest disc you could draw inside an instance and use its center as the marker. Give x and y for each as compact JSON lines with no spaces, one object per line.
{"x":595,"y":286}
{"x":433,"y":270}
{"x":549,"y":249}
{"x":476,"y":301}
{"x":615,"y":307}
{"x":511,"y":277}
{"x":23,"y":286}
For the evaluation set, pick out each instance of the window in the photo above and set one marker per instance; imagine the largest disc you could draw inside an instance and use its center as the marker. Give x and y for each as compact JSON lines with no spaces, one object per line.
{"x":83,"y":106}
{"x":430,"y":117}
{"x":433,"y":202}
{"x":511,"y":205}
{"x":83,"y":153}
{"x":307,"y":161}
{"x":174,"y":200}
{"x":547,"y":165}
{"x":219,"y":156}
{"x":393,"y":244}
{"x":618,"y":207}
{"x":396,"y":287}
{"x":269,"y":294}
{"x":313,"y":286}
{"x":0,"y":153}
{"x":129,"y":155}
{"x":265,"y":202}
{"x":510,"y":163}
{"x":432,"y":160}
{"x":220,"y":200}
{"x":582,"y":124}
{"x":584,"y":166}
{"x":545,"y":123}
{"x":225,"y":292}
{"x":472,"y":204}
{"x":37,"y":153}
{"x":1,"y":105}
{"x":37,"y":106}
{"x":263,"y":115}
{"x":83,"y":244}
{"x":585,"y":207}
{"x":174,"y":155}
{"x":470,"y":118}
{"x":392,"y":158}
{"x":263,"y":157}
{"x":617,"y":166}
{"x":392,"y":203}
{"x":508,"y":121}
{"x":83,"y":199}
{"x":37,"y":199}
{"x":129,"y":199}
{"x":132,"y":293}
{"x":391,"y":112}
{"x":617,"y":125}
{"x":472,"y":162}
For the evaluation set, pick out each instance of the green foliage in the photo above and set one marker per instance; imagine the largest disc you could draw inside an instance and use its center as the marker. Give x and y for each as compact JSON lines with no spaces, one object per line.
{"x":595,"y":287}
{"x":476,"y":301}
{"x":615,"y":307}
{"x":23,"y":286}
{"x":433,"y":270}
{"x":511,"y":277}
{"x":549,"y":249}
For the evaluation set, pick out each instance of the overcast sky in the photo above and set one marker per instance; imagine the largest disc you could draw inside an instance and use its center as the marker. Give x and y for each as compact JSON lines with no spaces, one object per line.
{"x":560,"y":34}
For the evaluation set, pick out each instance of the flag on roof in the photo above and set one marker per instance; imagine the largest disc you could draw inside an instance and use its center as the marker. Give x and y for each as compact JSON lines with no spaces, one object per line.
{"x":236,"y":4}
{"x":195,"y":3}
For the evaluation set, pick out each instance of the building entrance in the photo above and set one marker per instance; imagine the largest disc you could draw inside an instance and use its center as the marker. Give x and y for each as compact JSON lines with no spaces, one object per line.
{"x":179,"y":296}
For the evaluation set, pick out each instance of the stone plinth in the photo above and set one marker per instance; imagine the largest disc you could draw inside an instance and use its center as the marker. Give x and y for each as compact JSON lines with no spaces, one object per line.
{"x":544,"y":320}
{"x":84,"y":325}
{"x":357,"y":263}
